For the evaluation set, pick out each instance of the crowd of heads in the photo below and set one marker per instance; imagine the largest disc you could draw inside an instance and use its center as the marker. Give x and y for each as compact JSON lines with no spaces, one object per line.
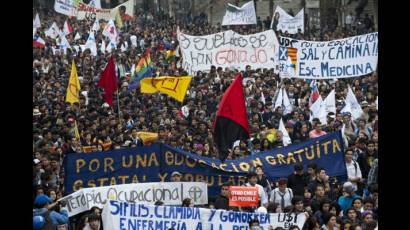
{"x":103,"y":127}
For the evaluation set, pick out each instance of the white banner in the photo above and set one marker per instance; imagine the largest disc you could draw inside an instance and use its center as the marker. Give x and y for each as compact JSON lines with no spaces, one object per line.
{"x":171,"y":193}
{"x":348,"y":57}
{"x":66,"y":7}
{"x":117,"y":215}
{"x":228,"y":49}
{"x":285,"y":22}
{"x":90,"y":11}
{"x":244,"y":15}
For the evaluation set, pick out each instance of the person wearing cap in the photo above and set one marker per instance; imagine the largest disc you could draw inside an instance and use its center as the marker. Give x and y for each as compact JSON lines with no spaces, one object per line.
{"x":252,"y":182}
{"x":282,"y":195}
{"x":43,"y":205}
{"x":297,"y":180}
{"x":176,"y":176}
{"x":317,"y":132}
{"x":349,"y":195}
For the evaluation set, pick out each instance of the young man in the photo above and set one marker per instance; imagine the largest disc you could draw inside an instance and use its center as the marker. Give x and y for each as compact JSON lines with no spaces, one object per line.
{"x":282,"y":195}
{"x":317,"y":132}
{"x":297,"y":181}
{"x":366,"y":160}
{"x":222,"y":201}
{"x":354,"y":173}
{"x":318,"y":197}
{"x":252,"y":179}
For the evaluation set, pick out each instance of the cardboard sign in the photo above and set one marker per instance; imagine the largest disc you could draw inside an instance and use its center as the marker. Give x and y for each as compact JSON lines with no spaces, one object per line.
{"x":242,"y":196}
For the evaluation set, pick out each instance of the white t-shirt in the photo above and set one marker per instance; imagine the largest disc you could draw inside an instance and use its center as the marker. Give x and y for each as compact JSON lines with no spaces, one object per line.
{"x":263,"y":197}
{"x":353,"y":172}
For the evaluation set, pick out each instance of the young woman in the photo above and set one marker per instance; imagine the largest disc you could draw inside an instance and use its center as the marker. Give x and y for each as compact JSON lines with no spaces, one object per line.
{"x":358,"y":204}
{"x":329,"y":222}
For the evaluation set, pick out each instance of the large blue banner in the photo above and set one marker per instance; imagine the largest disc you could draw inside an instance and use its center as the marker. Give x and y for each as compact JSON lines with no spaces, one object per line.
{"x":156,"y":162}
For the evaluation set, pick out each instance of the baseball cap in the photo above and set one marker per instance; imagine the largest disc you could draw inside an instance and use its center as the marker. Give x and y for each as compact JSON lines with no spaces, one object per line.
{"x":42,"y":200}
{"x":176,"y":173}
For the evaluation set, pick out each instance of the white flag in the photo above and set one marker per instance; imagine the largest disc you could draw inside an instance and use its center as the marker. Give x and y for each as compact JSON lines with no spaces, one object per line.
{"x":64,"y":45}
{"x":90,"y":44}
{"x":96,"y":25}
{"x":102,"y":47}
{"x":283,"y":101}
{"x":77,"y":36}
{"x":317,"y":108}
{"x":34,"y":32}
{"x":111,"y":45}
{"x":111,"y":32}
{"x":330,"y":102}
{"x":95,"y":3}
{"x":263,"y":98}
{"x":53,"y":31}
{"x":356,"y":109}
{"x":36,"y":22}
{"x":286,"y":139}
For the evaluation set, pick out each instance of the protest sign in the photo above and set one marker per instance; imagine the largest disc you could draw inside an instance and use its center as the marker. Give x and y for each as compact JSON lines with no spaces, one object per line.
{"x":66,"y":7}
{"x":171,"y":193}
{"x":156,"y":162}
{"x":244,"y":15}
{"x":119,"y":215}
{"x":228,"y":49}
{"x":348,"y":57}
{"x":285,"y":22}
{"x":241,"y":196}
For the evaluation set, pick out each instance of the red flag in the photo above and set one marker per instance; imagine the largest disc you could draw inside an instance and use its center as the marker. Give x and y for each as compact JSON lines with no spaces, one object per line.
{"x":67,"y":28}
{"x":108,"y":81}
{"x":231,"y":122}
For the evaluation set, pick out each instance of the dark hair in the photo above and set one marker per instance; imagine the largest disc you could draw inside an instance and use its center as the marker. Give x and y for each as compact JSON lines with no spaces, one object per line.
{"x":271,"y":207}
{"x":251,"y":174}
{"x":325,"y":201}
{"x":368,"y":200}
{"x":93,"y":216}
{"x":312,"y":166}
{"x":320,"y":169}
{"x":159,"y":203}
{"x":294,"y":227}
{"x":279,"y":228}
{"x":296,"y":199}
{"x":326,"y":217}
{"x":337,"y":206}
{"x":353,"y":226}
{"x":253,"y":221}
{"x":186,"y":202}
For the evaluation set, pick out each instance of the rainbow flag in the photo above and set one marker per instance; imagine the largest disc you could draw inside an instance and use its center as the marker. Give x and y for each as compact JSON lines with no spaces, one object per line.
{"x":143,"y":69}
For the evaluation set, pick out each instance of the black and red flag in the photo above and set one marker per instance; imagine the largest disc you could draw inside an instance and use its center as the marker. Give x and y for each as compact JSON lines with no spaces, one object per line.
{"x":231,"y":122}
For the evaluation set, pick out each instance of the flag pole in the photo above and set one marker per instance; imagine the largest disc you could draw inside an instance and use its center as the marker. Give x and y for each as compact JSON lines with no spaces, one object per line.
{"x":118,"y":104}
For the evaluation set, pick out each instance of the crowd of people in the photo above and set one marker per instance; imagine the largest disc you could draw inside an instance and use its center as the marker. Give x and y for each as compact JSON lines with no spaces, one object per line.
{"x":328,"y":204}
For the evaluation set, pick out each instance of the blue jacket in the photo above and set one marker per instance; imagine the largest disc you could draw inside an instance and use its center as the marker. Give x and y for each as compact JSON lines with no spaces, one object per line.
{"x":346,"y":202}
{"x":56,"y":218}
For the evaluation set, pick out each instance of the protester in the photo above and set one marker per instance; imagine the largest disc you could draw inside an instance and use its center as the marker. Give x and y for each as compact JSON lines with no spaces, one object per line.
{"x":189,"y":125}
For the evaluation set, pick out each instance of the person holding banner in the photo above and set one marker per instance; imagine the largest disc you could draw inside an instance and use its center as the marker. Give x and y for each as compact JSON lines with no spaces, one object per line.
{"x":282,"y":195}
{"x":252,"y":178}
